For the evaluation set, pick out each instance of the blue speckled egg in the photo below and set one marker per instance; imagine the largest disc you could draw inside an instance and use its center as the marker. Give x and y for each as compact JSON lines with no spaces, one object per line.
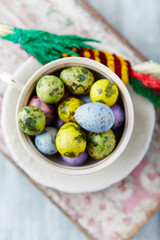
{"x":95,"y":117}
{"x":85,"y":98}
{"x":76,"y":161}
{"x":118,"y":112}
{"x":45,"y":142}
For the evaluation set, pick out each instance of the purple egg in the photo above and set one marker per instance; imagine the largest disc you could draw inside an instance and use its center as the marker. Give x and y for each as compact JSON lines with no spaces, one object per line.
{"x":58,"y":123}
{"x":77,"y":160}
{"x":85,"y":98}
{"x":47,"y":109}
{"x":118,"y":115}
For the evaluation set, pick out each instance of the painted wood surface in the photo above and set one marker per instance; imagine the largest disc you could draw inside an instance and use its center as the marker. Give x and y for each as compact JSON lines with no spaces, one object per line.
{"x":16,"y":56}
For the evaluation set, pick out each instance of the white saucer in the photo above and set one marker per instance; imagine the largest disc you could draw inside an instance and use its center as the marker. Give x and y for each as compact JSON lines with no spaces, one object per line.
{"x":131,"y":157}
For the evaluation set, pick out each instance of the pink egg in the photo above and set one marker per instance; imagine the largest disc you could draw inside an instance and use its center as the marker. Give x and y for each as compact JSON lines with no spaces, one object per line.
{"x":47,"y":109}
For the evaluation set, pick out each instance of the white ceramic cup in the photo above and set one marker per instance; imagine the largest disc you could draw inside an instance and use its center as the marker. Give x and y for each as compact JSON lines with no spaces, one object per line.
{"x":100,"y":71}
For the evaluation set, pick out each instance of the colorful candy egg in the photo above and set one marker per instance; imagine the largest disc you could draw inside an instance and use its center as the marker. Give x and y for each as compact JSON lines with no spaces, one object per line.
{"x":78,"y":80}
{"x":31,"y":120}
{"x":118,"y":115}
{"x":100,"y":145}
{"x":47,"y":109}
{"x":104,"y":91}
{"x":45,"y":142}
{"x":94,"y":117}
{"x":71,"y":140}
{"x":67,"y":108}
{"x":76,"y":161}
{"x":50,"y":89}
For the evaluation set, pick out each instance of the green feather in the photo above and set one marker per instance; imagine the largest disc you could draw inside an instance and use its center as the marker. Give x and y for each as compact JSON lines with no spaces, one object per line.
{"x":45,"y":46}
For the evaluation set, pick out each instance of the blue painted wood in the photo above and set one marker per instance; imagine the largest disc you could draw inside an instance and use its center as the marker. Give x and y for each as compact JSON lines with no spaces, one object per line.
{"x":137,"y":20}
{"x":151,"y":230}
{"x":25,"y":213}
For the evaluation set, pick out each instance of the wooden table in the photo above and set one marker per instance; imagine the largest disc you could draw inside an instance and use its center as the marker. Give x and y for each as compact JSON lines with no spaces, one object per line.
{"x":72,"y":18}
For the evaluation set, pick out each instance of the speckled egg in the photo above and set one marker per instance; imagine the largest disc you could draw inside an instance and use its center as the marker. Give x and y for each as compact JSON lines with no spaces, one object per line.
{"x":50,"y":89}
{"x":71,"y":140}
{"x":94,"y":117}
{"x":76,"y":161}
{"x":100,"y":145}
{"x":104,"y":91}
{"x":45,"y":142}
{"x":78,"y":80}
{"x":58,"y":123}
{"x":85,"y":98}
{"x":31,"y":120}
{"x":47,"y":109}
{"x":118,"y":115}
{"x":67,"y":108}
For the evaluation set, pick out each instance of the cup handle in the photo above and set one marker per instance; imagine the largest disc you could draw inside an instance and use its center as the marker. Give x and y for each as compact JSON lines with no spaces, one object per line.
{"x":9,"y":79}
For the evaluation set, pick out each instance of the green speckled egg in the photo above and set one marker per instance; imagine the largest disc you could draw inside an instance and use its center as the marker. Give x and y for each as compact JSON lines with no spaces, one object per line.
{"x":100,"y":145}
{"x":71,"y":140}
{"x":50,"y":89}
{"x":31,"y":120}
{"x":78,"y":80}
{"x":67,"y":109}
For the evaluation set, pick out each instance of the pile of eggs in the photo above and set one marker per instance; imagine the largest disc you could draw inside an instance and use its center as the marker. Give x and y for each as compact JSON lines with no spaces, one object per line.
{"x":74,"y":114}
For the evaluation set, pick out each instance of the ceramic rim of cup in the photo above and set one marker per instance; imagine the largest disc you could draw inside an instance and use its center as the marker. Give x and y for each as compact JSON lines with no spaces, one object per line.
{"x":106,"y":73}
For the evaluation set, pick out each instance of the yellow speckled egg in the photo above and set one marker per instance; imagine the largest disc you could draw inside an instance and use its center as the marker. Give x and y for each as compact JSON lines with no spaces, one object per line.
{"x":67,"y":108}
{"x":71,"y":140}
{"x":104,"y":91}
